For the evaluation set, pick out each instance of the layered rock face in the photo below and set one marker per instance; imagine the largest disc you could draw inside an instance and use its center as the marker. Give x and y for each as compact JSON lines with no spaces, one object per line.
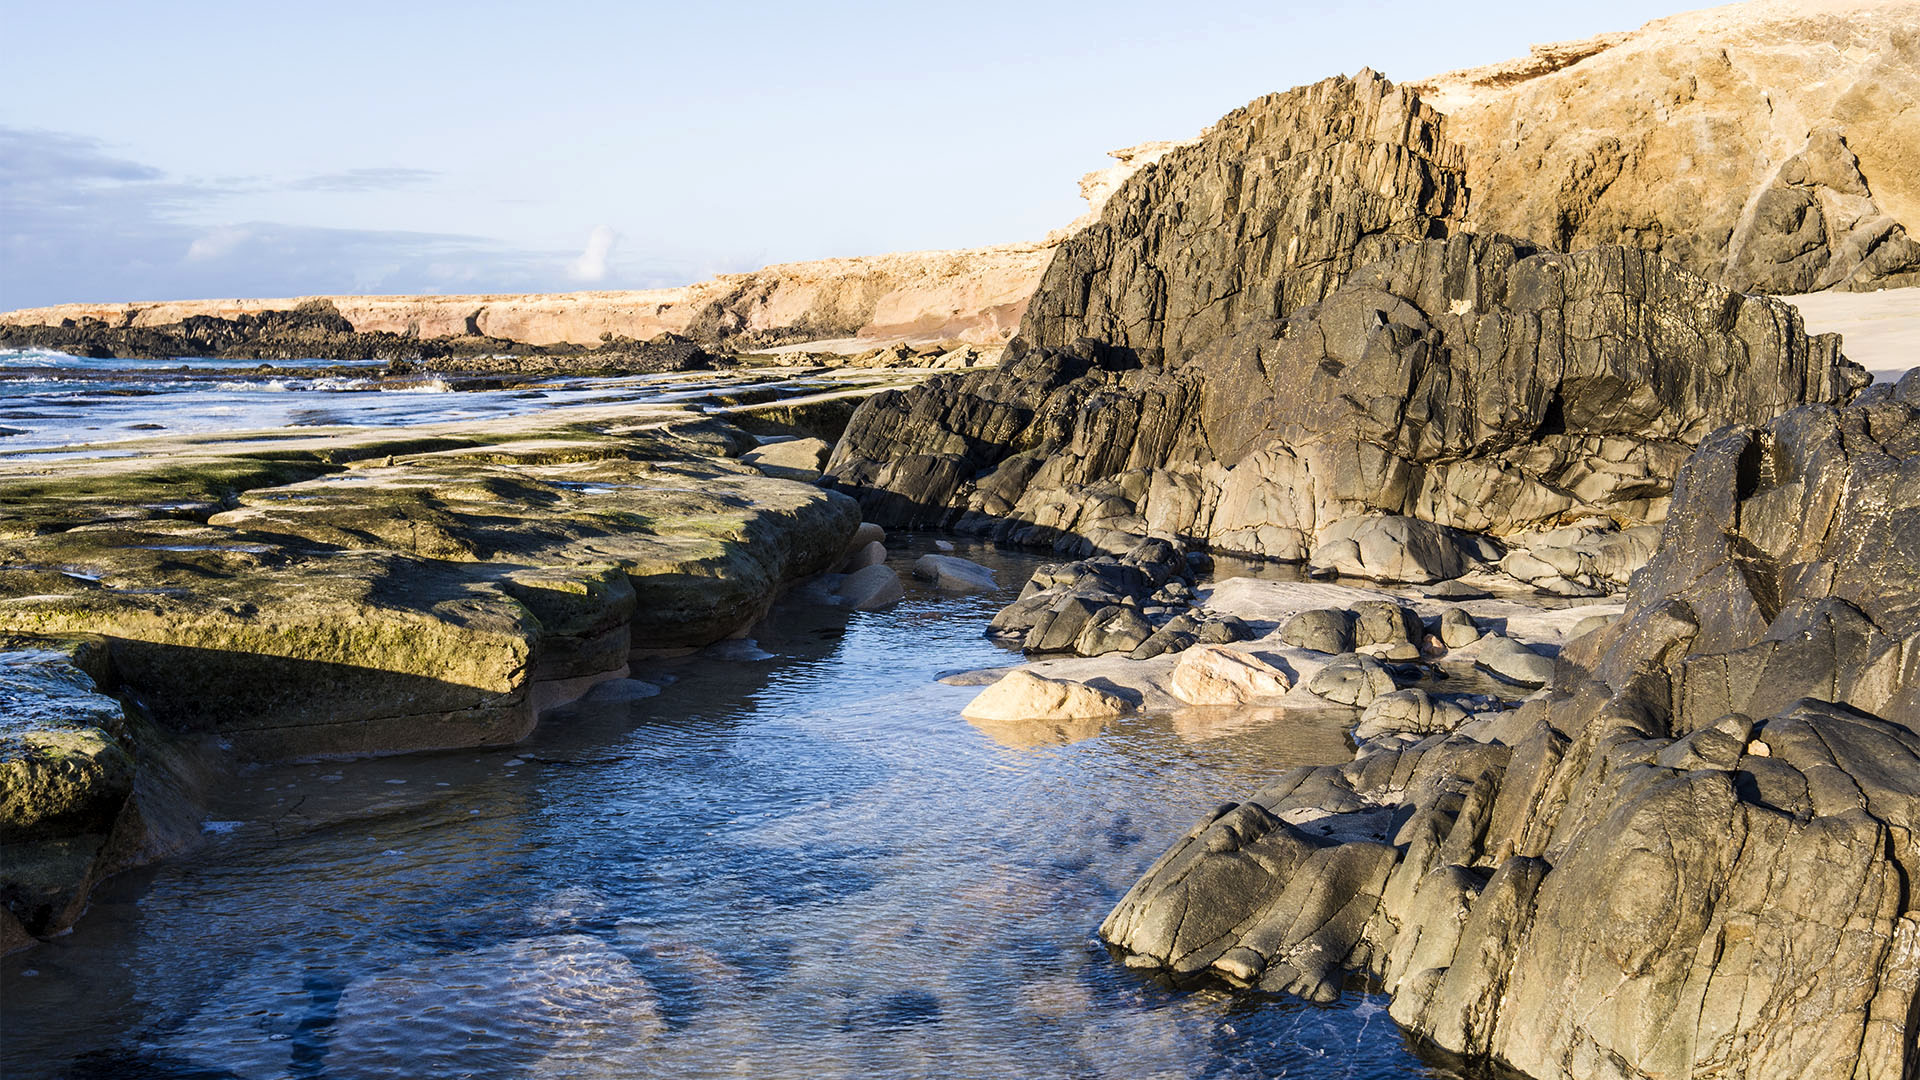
{"x":1268,"y":212}
{"x":1771,"y":146}
{"x":1472,"y":384}
{"x":1693,"y":858}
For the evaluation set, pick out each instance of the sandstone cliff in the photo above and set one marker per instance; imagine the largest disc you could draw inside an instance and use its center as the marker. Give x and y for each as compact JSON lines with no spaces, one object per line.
{"x":974,"y":296}
{"x":1773,"y":146}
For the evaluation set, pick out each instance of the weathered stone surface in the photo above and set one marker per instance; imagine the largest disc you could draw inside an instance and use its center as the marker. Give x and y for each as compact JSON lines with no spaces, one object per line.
{"x":1327,"y":630}
{"x":790,"y":459}
{"x":871,"y":588}
{"x":1215,"y":675}
{"x":1772,"y":146}
{"x":1352,"y":680}
{"x":1411,"y":711}
{"x":1474,"y":384}
{"x":1394,"y":548}
{"x":1457,"y":628}
{"x":1263,"y":214}
{"x":950,"y":573}
{"x":386,"y":591}
{"x":1022,"y":695}
{"x":1692,"y":861}
{"x":1508,"y":659}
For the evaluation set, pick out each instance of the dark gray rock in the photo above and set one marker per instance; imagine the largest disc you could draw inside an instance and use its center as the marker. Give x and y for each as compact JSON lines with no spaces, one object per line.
{"x":1352,"y":680}
{"x":1507,"y":659}
{"x":1327,"y":630}
{"x":1689,"y":858}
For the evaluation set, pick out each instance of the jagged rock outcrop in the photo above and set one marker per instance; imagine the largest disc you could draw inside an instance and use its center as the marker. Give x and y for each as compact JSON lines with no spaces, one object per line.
{"x":1773,"y":146}
{"x":1268,"y":212}
{"x":1693,"y":858}
{"x":1477,"y":384}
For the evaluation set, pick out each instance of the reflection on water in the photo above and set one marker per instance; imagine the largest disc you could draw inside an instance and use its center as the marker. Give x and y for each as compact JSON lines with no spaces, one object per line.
{"x":800,"y":865}
{"x":49,"y":399}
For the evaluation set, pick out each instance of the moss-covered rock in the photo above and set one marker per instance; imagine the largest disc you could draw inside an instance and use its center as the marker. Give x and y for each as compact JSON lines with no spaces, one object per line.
{"x":382,"y":591}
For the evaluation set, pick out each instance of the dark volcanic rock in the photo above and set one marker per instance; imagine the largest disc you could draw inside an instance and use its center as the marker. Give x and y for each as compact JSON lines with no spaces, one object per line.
{"x":1474,"y":383}
{"x":1697,"y":862}
{"x":1268,"y":212}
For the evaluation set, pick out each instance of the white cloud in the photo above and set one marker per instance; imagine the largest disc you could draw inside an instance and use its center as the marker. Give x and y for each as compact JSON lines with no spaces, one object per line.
{"x":592,"y":263}
{"x":217,"y":243}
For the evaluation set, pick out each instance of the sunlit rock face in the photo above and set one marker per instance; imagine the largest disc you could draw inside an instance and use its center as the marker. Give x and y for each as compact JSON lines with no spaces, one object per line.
{"x":1690,"y":859}
{"x":1770,"y":146}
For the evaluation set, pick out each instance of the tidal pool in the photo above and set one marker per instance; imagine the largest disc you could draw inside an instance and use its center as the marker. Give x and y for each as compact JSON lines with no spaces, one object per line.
{"x":797,"y":860}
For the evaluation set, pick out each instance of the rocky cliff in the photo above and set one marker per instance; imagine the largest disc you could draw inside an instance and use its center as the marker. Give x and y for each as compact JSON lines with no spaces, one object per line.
{"x":1471,"y":383}
{"x":1693,"y":858}
{"x":1265,"y":214}
{"x":1772,"y":146}
{"x":974,"y":296}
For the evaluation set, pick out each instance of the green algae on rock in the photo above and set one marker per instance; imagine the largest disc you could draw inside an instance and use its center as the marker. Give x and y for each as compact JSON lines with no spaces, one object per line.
{"x":361,"y":592}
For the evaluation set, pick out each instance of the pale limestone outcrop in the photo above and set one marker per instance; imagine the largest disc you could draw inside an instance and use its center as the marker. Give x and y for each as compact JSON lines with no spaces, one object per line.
{"x":1772,"y":146}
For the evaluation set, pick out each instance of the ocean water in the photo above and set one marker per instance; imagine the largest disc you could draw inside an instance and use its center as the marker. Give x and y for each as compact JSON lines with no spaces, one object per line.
{"x":49,"y":399}
{"x":796,"y":860}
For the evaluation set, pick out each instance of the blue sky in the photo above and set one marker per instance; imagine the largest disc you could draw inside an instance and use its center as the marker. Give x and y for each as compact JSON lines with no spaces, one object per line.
{"x":155,"y":151}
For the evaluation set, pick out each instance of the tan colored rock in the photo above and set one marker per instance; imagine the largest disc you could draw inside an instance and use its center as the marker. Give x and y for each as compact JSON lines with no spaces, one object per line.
{"x":1772,"y":145}
{"x":1216,"y":675}
{"x":1024,"y":696}
{"x":790,"y":459}
{"x":975,"y":296}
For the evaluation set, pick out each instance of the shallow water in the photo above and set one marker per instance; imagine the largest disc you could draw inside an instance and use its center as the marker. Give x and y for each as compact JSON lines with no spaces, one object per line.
{"x":797,"y":860}
{"x":50,"y":399}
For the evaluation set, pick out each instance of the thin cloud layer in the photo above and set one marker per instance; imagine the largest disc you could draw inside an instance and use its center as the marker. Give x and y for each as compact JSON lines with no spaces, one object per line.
{"x":79,"y":223}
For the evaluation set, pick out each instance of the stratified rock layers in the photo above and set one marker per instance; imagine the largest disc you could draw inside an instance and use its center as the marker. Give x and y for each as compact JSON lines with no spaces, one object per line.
{"x":1697,"y":862}
{"x":1476,"y":384}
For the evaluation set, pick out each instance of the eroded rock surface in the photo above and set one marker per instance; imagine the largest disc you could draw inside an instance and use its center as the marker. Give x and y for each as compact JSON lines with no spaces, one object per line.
{"x":1474,"y":385}
{"x":387,"y":591}
{"x":1692,"y":858}
{"x":1772,"y":146}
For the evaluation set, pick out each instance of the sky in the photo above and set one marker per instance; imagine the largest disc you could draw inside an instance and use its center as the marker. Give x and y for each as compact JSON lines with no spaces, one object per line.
{"x":193,"y":150}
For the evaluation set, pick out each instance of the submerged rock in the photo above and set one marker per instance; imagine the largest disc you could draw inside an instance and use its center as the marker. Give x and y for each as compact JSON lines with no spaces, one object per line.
{"x":950,"y":573}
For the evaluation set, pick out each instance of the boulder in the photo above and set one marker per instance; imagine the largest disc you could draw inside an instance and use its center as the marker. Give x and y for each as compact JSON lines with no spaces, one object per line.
{"x":1412,"y":711}
{"x":790,"y":459}
{"x":1457,"y":628}
{"x":1114,"y":629}
{"x":871,"y":588}
{"x":1352,"y":680}
{"x":1023,"y":696}
{"x":872,"y":553}
{"x":1507,"y":659}
{"x":1393,"y":548}
{"x":1214,"y":675}
{"x":949,"y":573}
{"x":1327,"y":630}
